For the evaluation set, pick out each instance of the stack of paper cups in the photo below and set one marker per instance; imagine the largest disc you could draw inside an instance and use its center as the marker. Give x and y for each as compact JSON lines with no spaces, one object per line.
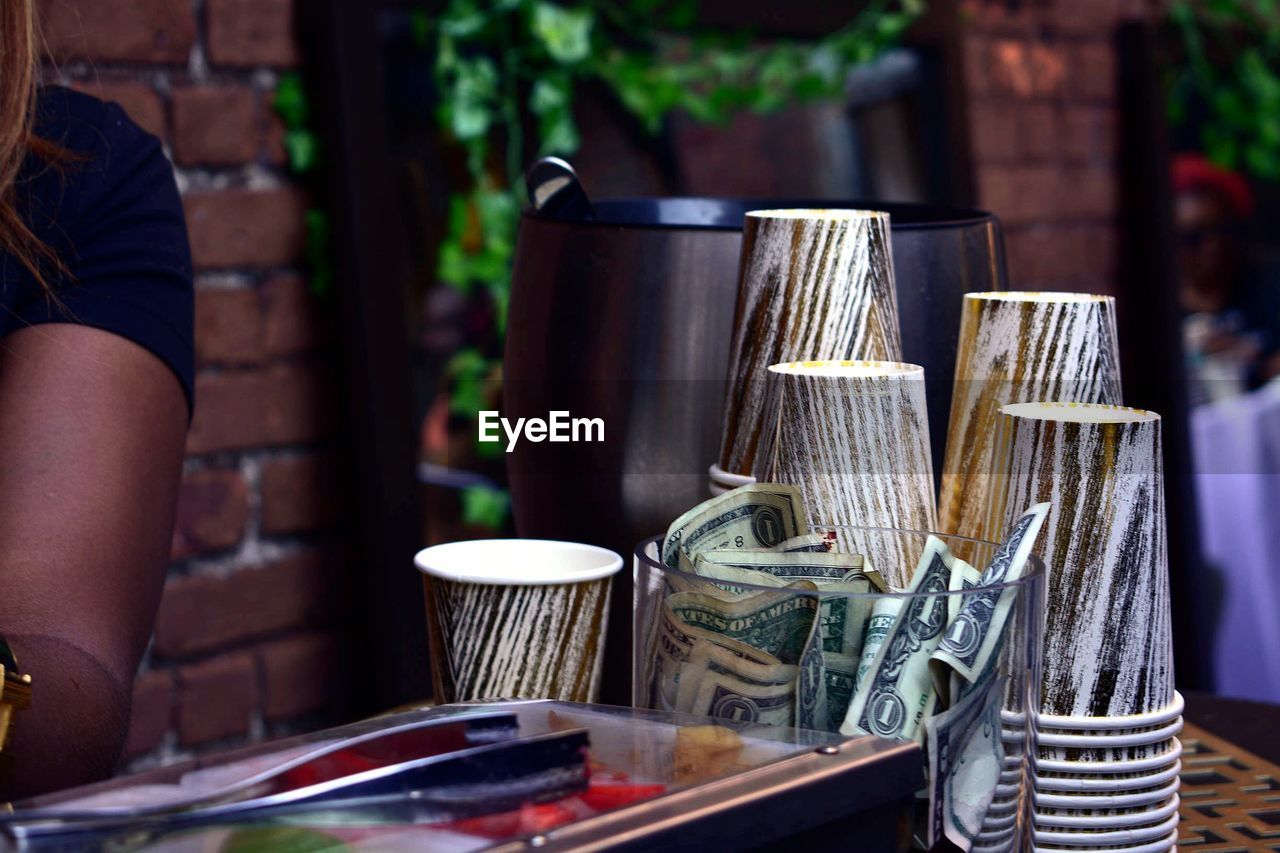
{"x":813,"y":284}
{"x":1107,"y":763}
{"x":1017,"y":347}
{"x":853,"y":436}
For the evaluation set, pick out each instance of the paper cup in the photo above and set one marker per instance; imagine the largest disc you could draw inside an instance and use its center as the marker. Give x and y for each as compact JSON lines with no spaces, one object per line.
{"x":1156,"y":761}
{"x":1111,"y":819}
{"x":1113,"y":784}
{"x":1133,"y":722}
{"x":1109,"y":740}
{"x":517,"y":618}
{"x":1162,"y":845}
{"x":1046,"y":800}
{"x":1117,"y":755}
{"x":1107,"y":837}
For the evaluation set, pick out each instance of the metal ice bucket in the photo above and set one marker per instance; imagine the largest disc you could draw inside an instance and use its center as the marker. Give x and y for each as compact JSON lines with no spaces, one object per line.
{"x":626,"y":317}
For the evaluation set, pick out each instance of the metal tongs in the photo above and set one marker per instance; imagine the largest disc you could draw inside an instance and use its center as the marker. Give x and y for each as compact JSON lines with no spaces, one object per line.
{"x":433,"y":769}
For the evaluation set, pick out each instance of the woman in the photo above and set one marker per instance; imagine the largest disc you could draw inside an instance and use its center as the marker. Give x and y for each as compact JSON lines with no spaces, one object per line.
{"x":95,"y":395}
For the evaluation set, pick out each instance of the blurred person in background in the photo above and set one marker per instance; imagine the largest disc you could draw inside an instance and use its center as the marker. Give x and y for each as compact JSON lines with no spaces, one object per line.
{"x":95,"y":394}
{"x":1231,"y":302}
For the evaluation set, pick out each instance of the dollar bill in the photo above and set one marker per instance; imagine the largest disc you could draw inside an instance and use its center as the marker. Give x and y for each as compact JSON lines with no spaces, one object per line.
{"x":710,"y":658}
{"x":965,"y":756}
{"x":973,"y":638}
{"x":839,"y":672}
{"x":730,"y":698}
{"x":883,"y":613}
{"x":963,"y":577}
{"x":777,"y":623}
{"x":676,"y":643}
{"x":843,"y":618}
{"x":785,"y":624}
{"x":759,"y":515}
{"x":897,"y":693}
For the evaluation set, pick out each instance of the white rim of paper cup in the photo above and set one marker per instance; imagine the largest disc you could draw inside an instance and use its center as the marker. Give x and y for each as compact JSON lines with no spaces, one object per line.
{"x":1132,"y":721}
{"x":730,"y":481}
{"x":1158,"y":811}
{"x":1103,"y":413}
{"x":847,"y":368}
{"x":1110,"y":838}
{"x":1131,"y":765}
{"x":517,"y":562}
{"x":1109,"y":741}
{"x":1106,"y":801}
{"x":832,"y":214}
{"x":1130,"y":784}
{"x":1038,"y":296}
{"x":998,"y":824}
{"x":1162,"y":845}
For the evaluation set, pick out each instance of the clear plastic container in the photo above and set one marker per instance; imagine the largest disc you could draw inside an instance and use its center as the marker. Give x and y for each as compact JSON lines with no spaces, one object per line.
{"x":978,"y":727}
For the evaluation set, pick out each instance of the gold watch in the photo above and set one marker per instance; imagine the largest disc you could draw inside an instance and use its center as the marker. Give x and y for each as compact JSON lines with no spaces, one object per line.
{"x":15,"y":690}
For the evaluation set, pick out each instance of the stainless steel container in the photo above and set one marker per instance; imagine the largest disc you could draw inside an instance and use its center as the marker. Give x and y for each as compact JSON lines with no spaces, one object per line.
{"x":626,"y":317}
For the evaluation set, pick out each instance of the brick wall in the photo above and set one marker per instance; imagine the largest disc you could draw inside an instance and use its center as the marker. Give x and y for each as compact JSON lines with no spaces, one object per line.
{"x":1042,"y":117}
{"x":248,"y":638}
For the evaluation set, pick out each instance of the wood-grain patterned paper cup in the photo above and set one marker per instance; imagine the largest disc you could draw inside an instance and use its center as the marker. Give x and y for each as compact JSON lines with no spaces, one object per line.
{"x":517,"y":618}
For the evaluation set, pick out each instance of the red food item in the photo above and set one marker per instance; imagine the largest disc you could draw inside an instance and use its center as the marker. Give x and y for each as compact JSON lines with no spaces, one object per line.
{"x":604,"y":797}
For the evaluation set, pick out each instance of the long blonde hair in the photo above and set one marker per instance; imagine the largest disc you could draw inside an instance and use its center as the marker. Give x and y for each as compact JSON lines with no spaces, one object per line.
{"x":19,"y":62}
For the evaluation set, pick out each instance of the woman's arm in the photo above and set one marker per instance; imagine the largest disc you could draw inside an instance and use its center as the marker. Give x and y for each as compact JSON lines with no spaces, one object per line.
{"x":91,"y":443}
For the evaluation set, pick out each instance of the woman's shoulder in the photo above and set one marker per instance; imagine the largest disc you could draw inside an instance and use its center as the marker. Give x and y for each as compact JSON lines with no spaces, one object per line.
{"x":106,"y":202}
{"x":84,"y":125}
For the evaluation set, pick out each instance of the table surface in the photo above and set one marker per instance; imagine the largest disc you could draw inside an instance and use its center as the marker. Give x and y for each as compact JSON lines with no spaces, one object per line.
{"x":1254,"y":726}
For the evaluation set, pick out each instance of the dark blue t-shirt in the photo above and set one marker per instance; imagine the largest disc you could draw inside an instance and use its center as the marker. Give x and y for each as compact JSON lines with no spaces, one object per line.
{"x":112,"y":213}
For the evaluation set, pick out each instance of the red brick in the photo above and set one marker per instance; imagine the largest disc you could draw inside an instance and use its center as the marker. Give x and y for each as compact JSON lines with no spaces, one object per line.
{"x":1000,"y":16}
{"x":1087,"y":17}
{"x":1019,"y":193}
{"x":976,"y":53}
{"x":229,"y":327}
{"x":141,"y":102}
{"x":1088,"y":192}
{"x":299,"y":403}
{"x":213,"y":506}
{"x":216,"y":698}
{"x":995,"y":129}
{"x":300,"y":494}
{"x":1093,"y":72}
{"x":199,"y":613}
{"x":1010,"y":67}
{"x":243,"y":227}
{"x":1089,"y":134}
{"x":251,"y":32}
{"x":230,"y":412}
{"x":215,"y":125}
{"x":1053,"y":254}
{"x":161,"y":31}
{"x":273,"y":143}
{"x":151,"y":714}
{"x":294,"y":322}
{"x":1048,"y":68}
{"x":300,"y":674}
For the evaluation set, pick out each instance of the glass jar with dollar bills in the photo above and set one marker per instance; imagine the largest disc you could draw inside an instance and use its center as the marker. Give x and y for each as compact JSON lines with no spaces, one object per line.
{"x":808,"y":632}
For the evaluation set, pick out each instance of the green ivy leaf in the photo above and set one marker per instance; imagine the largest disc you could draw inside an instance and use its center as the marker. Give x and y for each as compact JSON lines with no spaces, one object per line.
{"x":471,"y":108}
{"x":317,"y":251}
{"x":485,"y":507}
{"x":564,"y":32}
{"x":290,"y":101}
{"x":303,"y":150}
